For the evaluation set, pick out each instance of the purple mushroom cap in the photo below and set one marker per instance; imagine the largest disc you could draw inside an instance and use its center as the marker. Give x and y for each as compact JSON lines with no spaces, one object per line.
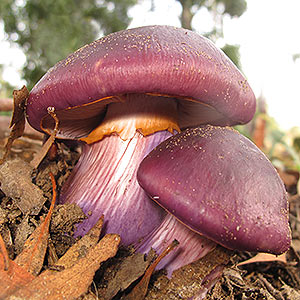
{"x":219,"y":184}
{"x":156,"y":60}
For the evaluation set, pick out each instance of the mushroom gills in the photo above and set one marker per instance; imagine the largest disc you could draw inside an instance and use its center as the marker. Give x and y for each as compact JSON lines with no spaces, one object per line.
{"x":145,"y":113}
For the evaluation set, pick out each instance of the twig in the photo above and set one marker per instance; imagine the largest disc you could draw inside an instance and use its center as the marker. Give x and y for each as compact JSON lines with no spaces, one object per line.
{"x":6,"y":104}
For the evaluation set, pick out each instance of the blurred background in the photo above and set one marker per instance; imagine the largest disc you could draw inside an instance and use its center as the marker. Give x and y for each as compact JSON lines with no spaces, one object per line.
{"x":260,"y":36}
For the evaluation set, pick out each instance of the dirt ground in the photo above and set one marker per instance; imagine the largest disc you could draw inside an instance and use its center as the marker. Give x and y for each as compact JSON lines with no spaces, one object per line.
{"x":244,"y":275}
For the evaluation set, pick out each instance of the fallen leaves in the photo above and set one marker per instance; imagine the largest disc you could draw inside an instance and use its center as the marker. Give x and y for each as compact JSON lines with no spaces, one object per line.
{"x":20,"y":279}
{"x":74,"y":281}
{"x":32,"y":256}
{"x":72,"y":274}
{"x":129,"y":269}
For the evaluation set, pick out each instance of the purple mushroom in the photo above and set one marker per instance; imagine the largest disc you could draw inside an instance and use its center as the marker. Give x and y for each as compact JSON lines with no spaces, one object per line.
{"x":220,"y":185}
{"x":123,"y":95}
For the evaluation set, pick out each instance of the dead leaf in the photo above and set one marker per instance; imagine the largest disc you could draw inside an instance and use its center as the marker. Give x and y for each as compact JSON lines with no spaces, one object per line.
{"x":264,"y":257}
{"x":64,"y":217}
{"x":71,"y":282}
{"x":23,"y":231}
{"x":19,"y":97}
{"x":140,"y":290}
{"x":16,"y":183}
{"x":4,"y":253}
{"x":33,"y":254}
{"x":13,"y":278}
{"x":7,"y":237}
{"x":80,"y":249}
{"x":17,"y":123}
{"x":128,"y":270}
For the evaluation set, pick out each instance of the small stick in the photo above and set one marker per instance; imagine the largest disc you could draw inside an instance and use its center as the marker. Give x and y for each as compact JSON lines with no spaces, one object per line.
{"x":42,"y":153}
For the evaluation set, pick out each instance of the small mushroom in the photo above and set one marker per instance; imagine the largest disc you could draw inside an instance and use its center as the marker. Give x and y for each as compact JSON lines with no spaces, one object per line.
{"x":121,"y":96}
{"x":218,"y":184}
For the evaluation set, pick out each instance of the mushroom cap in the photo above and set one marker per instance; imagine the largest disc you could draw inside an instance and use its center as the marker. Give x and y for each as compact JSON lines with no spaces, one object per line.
{"x":157,"y":60}
{"x":219,"y":184}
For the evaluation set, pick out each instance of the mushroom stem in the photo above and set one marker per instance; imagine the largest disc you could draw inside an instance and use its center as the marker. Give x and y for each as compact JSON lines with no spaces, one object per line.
{"x":104,"y":182}
{"x":192,"y":246}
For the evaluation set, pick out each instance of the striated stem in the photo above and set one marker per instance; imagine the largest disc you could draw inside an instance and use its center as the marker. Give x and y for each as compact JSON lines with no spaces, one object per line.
{"x":104,"y":182}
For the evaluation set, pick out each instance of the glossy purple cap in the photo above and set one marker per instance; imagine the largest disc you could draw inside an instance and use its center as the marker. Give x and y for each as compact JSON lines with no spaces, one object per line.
{"x":219,"y":184}
{"x":159,"y":60}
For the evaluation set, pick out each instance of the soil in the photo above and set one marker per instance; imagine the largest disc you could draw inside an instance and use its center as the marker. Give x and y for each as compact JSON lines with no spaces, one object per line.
{"x":259,"y":278}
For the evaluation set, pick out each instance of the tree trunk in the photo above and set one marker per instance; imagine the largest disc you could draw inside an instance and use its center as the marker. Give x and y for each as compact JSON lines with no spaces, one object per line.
{"x":186,"y":15}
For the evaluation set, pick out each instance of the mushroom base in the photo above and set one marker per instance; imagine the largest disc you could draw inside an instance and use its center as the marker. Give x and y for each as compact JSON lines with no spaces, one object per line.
{"x":192,"y":246}
{"x":104,"y":183}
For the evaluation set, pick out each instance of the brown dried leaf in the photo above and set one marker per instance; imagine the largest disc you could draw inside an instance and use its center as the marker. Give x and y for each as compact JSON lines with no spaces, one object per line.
{"x":20,"y":97}
{"x":18,"y":118}
{"x":12,"y":279}
{"x":16,"y":183}
{"x":43,"y":152}
{"x":140,"y":290}
{"x":71,"y":282}
{"x":129,"y":269}
{"x":81,"y":248}
{"x":32,"y":257}
{"x":33,"y":254}
{"x":22,"y":233}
